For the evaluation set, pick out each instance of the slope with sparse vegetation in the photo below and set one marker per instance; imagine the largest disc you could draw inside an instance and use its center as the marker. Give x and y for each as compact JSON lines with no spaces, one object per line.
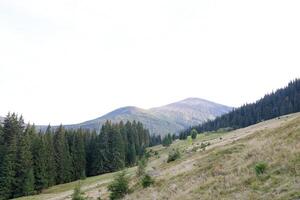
{"x":257,"y":162}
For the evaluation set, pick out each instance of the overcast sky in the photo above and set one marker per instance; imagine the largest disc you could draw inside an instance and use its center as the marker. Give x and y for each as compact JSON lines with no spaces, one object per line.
{"x":67,"y":61}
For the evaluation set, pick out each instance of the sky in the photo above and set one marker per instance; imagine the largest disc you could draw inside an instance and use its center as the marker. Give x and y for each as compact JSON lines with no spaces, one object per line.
{"x":68,"y":61}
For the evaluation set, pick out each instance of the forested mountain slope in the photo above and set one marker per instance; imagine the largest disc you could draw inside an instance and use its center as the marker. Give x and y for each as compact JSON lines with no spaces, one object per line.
{"x":281,"y":102}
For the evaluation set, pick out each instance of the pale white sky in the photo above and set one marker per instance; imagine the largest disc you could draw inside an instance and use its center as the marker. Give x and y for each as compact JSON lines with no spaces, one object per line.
{"x":67,"y":61}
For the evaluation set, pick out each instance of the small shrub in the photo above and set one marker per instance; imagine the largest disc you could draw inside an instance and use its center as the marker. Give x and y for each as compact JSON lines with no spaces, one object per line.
{"x":77,"y":194}
{"x":141,"y":167}
{"x":194,"y":134}
{"x":173,"y":155}
{"x":147,"y":180}
{"x":203,"y":145}
{"x":260,"y":168}
{"x":119,"y":187}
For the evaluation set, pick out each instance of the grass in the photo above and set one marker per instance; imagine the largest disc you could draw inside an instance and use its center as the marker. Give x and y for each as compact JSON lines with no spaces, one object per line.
{"x":228,"y":171}
{"x":224,"y":170}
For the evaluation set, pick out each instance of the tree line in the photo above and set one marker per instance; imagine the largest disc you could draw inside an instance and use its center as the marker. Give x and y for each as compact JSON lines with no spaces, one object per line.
{"x":281,"y":102}
{"x":31,"y":161}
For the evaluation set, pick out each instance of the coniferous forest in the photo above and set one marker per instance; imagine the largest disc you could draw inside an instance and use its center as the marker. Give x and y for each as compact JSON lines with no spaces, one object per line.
{"x":31,"y":161}
{"x":284,"y":101}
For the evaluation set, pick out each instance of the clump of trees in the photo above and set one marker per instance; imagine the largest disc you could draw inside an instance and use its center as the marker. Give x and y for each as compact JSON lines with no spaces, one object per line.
{"x":31,"y":161}
{"x":167,"y":140}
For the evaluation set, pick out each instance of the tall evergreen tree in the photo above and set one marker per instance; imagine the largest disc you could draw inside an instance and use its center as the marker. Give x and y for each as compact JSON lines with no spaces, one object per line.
{"x":13,"y":126}
{"x":116,"y":153}
{"x":62,"y":156}
{"x":24,"y":165}
{"x":39,"y":162}
{"x":49,"y":153}
{"x":131,"y":152}
{"x":78,"y":155}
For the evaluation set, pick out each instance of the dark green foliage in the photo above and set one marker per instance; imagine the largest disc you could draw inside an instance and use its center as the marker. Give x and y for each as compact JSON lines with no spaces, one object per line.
{"x":62,"y":156}
{"x":183,"y":135}
{"x":167,"y":141}
{"x":31,"y":162}
{"x":260,"y":168}
{"x":119,"y":187}
{"x":13,"y":128}
{"x":194,"y":134}
{"x":147,"y":180}
{"x":24,"y":164}
{"x":142,"y":164}
{"x":155,"y":140}
{"x":281,"y":102}
{"x":131,"y":151}
{"x":116,"y":154}
{"x":39,"y":162}
{"x":50,"y":159}
{"x":77,"y":152}
{"x":173,"y":155}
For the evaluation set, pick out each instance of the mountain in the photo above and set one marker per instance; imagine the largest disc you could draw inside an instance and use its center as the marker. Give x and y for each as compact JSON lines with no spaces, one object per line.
{"x":170,"y":118}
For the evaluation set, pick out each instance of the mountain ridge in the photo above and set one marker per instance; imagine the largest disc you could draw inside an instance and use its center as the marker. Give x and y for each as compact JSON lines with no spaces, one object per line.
{"x":169,"y":118}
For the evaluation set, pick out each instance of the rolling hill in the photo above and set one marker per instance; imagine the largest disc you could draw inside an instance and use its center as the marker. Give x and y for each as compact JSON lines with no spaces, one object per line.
{"x":170,"y":118}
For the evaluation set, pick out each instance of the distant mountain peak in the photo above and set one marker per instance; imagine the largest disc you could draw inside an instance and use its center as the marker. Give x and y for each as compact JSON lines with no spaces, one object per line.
{"x":170,"y":118}
{"x":194,"y":101}
{"x":126,"y":109}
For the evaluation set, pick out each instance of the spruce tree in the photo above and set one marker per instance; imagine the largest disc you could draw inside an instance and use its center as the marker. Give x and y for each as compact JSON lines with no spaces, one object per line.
{"x":78,"y":155}
{"x":116,"y":149}
{"x":62,"y":156}
{"x":49,"y":153}
{"x":39,"y":163}
{"x":13,"y":126}
{"x":131,"y":152}
{"x":24,"y":165}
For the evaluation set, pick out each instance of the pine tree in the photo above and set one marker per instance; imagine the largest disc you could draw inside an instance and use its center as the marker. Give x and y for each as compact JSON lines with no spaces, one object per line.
{"x":167,"y":141}
{"x":131,"y":152}
{"x":94,"y":156}
{"x":116,"y":149}
{"x":49,"y":153}
{"x":62,"y":156}
{"x":13,"y":126}
{"x":78,"y":155}
{"x":24,"y":165}
{"x":39,"y":163}
{"x":103,"y":152}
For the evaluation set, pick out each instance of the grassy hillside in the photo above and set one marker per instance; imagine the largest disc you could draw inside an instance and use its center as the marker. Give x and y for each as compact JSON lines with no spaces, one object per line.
{"x":224,"y":170}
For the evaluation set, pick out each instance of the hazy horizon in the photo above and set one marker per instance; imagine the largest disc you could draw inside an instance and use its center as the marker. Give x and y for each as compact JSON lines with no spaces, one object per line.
{"x":67,"y":61}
